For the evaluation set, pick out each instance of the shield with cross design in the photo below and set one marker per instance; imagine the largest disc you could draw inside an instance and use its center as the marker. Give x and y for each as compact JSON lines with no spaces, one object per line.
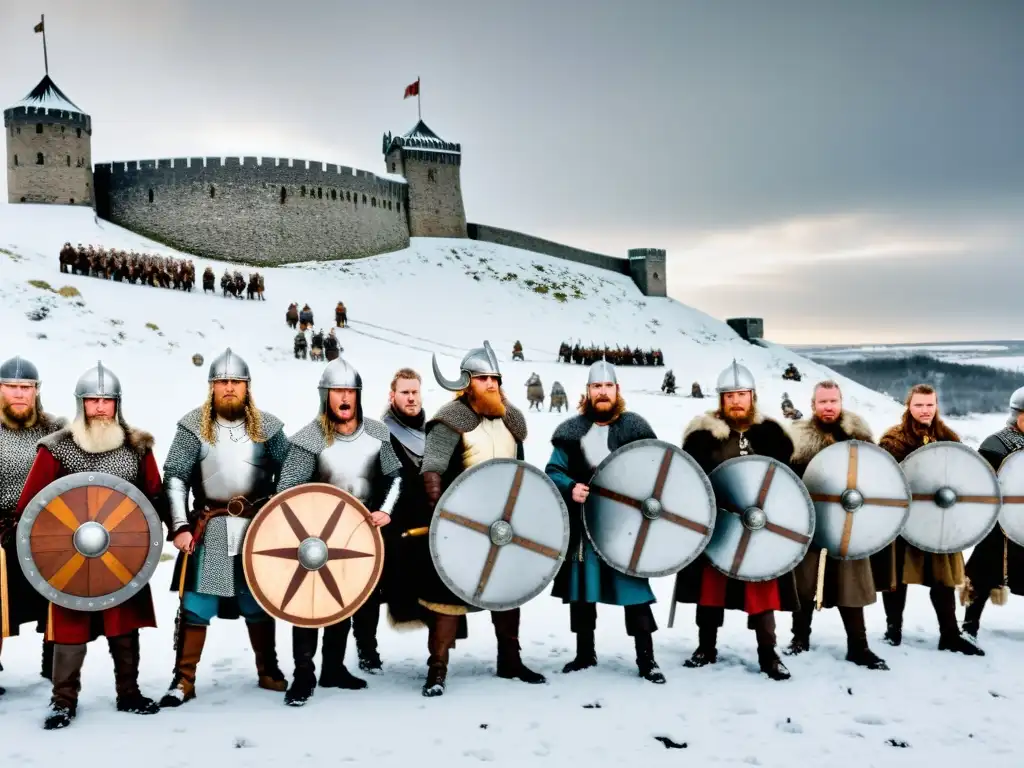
{"x":89,"y":541}
{"x":955,"y":497}
{"x":861,"y":499}
{"x":312,"y":556}
{"x":499,"y":534}
{"x":651,"y":509}
{"x":1011,"y":483}
{"x":765,"y":519}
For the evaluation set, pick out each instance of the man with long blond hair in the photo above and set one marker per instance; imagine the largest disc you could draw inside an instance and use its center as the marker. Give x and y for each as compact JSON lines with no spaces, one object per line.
{"x":901,"y":563}
{"x":228,"y":454}
{"x":347,"y":450}
{"x":479,"y":424}
{"x":580,"y":444}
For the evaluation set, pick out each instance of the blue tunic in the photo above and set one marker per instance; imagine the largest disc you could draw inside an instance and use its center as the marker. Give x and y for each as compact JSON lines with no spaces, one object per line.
{"x":584,"y":577}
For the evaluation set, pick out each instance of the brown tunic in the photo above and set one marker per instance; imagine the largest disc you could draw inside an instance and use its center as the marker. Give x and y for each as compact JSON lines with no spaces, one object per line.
{"x":902,"y":563}
{"x":848,"y":583}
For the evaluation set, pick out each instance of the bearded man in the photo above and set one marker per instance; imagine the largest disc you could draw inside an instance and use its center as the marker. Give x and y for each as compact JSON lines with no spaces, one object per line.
{"x":348,"y":451}
{"x":479,"y":424}
{"x":98,"y":440}
{"x":405,"y":421}
{"x":901,"y":563}
{"x":737,"y":428}
{"x":581,"y":443}
{"x":23,"y":423}
{"x":849,"y":585}
{"x":996,"y":566}
{"x":227,"y":453}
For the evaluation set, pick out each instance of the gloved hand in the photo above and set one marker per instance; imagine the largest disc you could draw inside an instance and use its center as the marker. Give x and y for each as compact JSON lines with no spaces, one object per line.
{"x":432,"y":485}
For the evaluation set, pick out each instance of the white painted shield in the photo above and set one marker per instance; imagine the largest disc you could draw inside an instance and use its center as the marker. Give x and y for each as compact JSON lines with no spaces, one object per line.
{"x":1011,"y":483}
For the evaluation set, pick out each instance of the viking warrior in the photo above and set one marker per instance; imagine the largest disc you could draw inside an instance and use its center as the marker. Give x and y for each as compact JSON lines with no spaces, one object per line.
{"x":405,"y":420}
{"x":349,"y":451}
{"x":848,"y":583}
{"x":98,"y":440}
{"x":668,"y":384}
{"x":996,"y":566}
{"x":901,"y":563}
{"x":228,"y":454}
{"x":737,"y":428}
{"x":580,"y":444}
{"x":23,"y":422}
{"x":479,"y":424}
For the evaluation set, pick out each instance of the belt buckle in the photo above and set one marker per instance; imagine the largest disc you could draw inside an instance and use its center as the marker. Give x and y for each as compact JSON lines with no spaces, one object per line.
{"x":234,"y":504}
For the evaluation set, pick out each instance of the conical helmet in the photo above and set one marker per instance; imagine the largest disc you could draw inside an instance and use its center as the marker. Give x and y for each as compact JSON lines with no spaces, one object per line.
{"x":18,"y":370}
{"x":338,"y":374}
{"x":736,"y":378}
{"x":1016,"y":406}
{"x":228,"y":366}
{"x":601,"y":372}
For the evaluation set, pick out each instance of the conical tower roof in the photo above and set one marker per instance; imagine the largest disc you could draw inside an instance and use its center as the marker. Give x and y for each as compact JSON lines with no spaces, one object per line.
{"x":422,"y":137}
{"x":46,"y":95}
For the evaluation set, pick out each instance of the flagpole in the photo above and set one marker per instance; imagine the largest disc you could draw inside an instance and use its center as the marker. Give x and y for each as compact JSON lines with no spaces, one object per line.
{"x":46,"y":61}
{"x":419,"y":88}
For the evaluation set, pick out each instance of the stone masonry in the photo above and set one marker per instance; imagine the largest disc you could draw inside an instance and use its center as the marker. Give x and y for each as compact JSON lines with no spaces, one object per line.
{"x":62,"y":141}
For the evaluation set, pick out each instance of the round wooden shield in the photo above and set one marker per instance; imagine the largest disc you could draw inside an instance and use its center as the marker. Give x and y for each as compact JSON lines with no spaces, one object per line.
{"x":89,"y":541}
{"x":311,"y":556}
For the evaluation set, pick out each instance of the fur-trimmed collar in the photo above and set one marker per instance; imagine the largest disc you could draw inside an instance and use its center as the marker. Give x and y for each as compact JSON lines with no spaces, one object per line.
{"x":904,"y":438}
{"x":809,"y":438}
{"x":139,"y":440}
{"x":459,"y":417}
{"x":713,"y":422}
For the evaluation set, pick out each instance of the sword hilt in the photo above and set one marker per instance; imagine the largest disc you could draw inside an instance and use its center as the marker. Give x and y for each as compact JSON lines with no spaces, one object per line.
{"x":416,"y":532}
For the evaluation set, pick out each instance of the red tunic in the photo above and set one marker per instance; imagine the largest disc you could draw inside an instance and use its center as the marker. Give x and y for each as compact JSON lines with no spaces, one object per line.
{"x":758,"y":596}
{"x":71,"y":627}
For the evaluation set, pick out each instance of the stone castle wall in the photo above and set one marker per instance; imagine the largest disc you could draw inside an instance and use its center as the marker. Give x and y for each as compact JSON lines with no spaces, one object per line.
{"x":488,"y":234}
{"x":435,"y":190}
{"x":269,"y":211}
{"x":49,"y":156}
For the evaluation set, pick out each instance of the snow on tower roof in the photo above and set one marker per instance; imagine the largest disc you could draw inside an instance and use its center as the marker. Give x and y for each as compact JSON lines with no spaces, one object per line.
{"x":421,"y":137}
{"x":47,"y":95}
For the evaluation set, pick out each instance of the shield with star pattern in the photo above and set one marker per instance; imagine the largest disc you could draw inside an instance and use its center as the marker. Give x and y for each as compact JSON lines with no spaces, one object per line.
{"x":312,"y":556}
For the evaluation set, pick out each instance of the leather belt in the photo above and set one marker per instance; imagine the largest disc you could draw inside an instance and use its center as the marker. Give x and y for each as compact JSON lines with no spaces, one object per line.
{"x":239,"y":506}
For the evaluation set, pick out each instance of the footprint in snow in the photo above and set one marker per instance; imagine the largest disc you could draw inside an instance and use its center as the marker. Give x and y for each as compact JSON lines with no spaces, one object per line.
{"x":869,"y":720}
{"x":484,"y":755}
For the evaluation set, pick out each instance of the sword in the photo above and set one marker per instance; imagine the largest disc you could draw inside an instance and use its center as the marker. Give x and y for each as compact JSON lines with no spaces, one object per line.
{"x":672,"y":610}
{"x":819,"y":592}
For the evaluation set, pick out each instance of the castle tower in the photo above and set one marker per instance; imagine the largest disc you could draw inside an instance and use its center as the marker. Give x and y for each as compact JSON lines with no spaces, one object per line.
{"x":431,"y":167}
{"x":647,"y":268}
{"x":49,"y":149}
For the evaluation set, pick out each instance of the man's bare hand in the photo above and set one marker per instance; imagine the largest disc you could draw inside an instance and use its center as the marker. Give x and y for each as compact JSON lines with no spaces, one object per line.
{"x":183,"y":542}
{"x":580,"y":492}
{"x":380,"y":519}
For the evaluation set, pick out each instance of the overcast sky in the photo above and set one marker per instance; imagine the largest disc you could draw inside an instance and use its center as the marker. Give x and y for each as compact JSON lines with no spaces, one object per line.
{"x":852,"y":171}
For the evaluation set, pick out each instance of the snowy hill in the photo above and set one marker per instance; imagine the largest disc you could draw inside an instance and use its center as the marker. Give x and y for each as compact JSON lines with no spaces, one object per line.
{"x":445,"y":296}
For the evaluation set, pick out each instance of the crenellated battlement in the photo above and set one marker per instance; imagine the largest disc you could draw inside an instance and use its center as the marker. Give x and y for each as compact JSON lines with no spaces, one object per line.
{"x":16,"y":115}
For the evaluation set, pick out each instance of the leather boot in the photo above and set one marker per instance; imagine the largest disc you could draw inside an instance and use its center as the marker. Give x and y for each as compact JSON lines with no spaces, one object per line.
{"x":768,"y":659}
{"x":972,"y":615}
{"x":263,"y":636}
{"x":190,"y":642}
{"x":707,"y":648}
{"x":645,"y":662}
{"x":510,"y":662}
{"x":950,"y":639}
{"x":333,"y":672}
{"x":586,"y":655}
{"x":67,"y":682}
{"x":801,"y":641}
{"x":304,"y":642}
{"x":46,"y":666}
{"x":124,"y":650}
{"x":857,"y":649}
{"x":894,"y":603}
{"x":364,"y":627}
{"x":440,"y":640}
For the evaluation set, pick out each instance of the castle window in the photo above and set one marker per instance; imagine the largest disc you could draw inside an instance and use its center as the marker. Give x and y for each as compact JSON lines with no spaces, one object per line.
{"x":151,"y":195}
{"x":39,"y":158}
{"x":303,"y":190}
{"x":284,"y":194}
{"x":62,"y":129}
{"x":392,"y":167}
{"x":389,"y":205}
{"x":655,"y":275}
{"x":39,"y":127}
{"x":72,"y":201}
{"x":320,"y":193}
{"x":373,"y":201}
{"x":69,"y":161}
{"x":334,"y":194}
{"x":364,"y":199}
{"x":431,"y":175}
{"x":23,"y":199}
{"x":79,"y":132}
{"x":399,"y":207}
{"x":15,"y":159}
{"x":213,"y":192}
{"x":348,"y":195}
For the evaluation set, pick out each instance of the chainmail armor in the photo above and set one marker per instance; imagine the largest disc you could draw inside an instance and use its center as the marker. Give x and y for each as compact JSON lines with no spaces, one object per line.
{"x":17,"y":452}
{"x":123,"y":462}
{"x":1012,"y":438}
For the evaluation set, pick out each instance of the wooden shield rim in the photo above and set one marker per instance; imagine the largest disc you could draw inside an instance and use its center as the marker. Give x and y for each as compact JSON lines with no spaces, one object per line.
{"x":85,"y":480}
{"x":250,"y":539}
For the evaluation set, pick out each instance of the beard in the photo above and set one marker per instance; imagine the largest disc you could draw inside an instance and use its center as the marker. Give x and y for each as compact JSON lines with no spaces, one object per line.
{"x":344,"y":413}
{"x":97,"y":434}
{"x":488,"y":404}
{"x":602,"y":410}
{"x":229,"y":409}
{"x":739,"y":419}
{"x":14,"y":420}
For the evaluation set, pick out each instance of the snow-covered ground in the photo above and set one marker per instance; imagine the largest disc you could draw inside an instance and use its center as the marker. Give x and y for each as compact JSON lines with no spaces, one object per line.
{"x":444,"y":296}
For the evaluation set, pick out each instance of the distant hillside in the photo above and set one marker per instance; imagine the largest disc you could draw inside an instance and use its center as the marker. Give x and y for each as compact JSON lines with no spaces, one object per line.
{"x":963,"y":388}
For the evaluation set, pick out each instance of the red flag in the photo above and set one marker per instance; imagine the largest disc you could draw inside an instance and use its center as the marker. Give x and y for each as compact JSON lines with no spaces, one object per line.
{"x":412,"y":89}
{"x":38,"y":27}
